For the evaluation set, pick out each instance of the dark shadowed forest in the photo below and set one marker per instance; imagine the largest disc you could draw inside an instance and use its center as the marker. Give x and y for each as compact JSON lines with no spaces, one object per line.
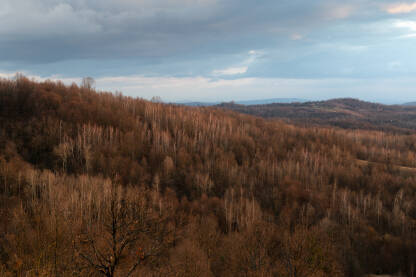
{"x":97,"y":184}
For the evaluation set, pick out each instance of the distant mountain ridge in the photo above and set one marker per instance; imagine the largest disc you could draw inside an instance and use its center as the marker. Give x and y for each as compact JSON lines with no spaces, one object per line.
{"x":343,"y":112}
{"x":248,"y":102}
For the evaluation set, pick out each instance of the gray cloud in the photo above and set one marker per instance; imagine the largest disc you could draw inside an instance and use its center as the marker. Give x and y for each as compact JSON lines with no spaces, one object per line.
{"x":206,"y":44}
{"x":154,"y":28}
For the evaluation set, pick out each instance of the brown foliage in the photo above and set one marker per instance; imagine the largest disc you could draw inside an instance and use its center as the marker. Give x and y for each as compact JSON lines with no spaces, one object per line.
{"x":95,"y":183}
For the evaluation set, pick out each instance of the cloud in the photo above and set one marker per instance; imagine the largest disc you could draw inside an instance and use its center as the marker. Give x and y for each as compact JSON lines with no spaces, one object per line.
{"x":7,"y":75}
{"x":231,"y":71}
{"x":407,"y":24}
{"x":243,"y":67}
{"x":395,"y":64}
{"x":35,"y":19}
{"x":408,"y":36}
{"x":208,"y":89}
{"x":174,"y":88}
{"x":37,"y":78}
{"x":55,"y":30}
{"x":212,"y":39}
{"x":353,"y":48}
{"x":338,"y":11}
{"x":399,"y":8}
{"x":44,"y":31}
{"x":296,"y":37}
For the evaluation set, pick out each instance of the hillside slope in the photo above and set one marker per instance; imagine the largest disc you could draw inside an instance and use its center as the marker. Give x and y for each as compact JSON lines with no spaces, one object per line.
{"x":344,"y":113}
{"x":95,"y":183}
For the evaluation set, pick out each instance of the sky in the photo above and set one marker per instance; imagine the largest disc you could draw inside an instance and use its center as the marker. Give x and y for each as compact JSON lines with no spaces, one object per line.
{"x":217,"y":50}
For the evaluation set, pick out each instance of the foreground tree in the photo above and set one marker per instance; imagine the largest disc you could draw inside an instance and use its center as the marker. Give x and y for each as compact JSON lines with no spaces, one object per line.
{"x":128,"y":233}
{"x":308,"y":253}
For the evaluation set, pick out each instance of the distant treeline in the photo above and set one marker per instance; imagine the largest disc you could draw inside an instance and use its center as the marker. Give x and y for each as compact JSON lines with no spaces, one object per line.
{"x":342,"y":113}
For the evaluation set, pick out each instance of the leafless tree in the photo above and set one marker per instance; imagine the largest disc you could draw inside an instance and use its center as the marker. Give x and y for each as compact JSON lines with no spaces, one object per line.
{"x":130,"y":233}
{"x":88,"y":82}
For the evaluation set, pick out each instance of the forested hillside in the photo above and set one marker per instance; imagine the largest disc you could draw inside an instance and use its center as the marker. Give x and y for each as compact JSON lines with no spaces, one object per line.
{"x":346,"y":113}
{"x":96,"y":184}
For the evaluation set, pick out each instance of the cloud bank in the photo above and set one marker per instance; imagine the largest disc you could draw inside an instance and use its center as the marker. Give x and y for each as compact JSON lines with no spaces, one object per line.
{"x":207,"y":46}
{"x":399,"y":8}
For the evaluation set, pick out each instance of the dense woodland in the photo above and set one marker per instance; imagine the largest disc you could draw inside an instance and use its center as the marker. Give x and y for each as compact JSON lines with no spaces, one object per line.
{"x":343,"y":113}
{"x":97,"y":184}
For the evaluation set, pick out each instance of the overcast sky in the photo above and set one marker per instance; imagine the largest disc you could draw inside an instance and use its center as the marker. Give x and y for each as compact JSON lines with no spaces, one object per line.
{"x":217,"y":50}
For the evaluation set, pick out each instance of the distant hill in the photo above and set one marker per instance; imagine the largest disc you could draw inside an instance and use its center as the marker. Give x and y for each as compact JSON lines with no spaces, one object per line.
{"x":271,"y":101}
{"x":345,"y":113}
{"x":247,"y":102}
{"x":198,"y":104}
{"x":410,"y":104}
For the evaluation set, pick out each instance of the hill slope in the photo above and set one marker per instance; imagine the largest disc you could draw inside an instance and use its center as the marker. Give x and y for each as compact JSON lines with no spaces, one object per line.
{"x":344,"y":113}
{"x":94,"y":183}
{"x":248,"y":102}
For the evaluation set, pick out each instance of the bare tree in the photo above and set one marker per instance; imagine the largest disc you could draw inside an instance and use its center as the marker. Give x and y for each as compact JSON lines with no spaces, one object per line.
{"x":156,"y":99}
{"x":307,"y":253}
{"x":88,"y":82}
{"x":129,"y":234}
